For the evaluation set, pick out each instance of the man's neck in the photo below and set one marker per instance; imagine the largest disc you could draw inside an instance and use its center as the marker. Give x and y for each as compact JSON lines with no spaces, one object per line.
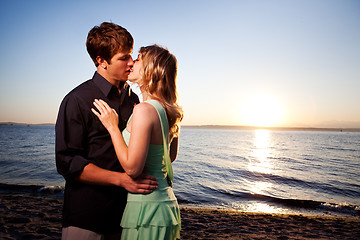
{"x":118,"y":84}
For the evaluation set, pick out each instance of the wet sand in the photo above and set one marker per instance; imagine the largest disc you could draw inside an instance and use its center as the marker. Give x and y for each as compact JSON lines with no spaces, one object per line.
{"x":33,"y":217}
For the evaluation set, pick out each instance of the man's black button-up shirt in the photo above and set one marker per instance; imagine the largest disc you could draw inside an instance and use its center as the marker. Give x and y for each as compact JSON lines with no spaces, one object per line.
{"x":82,"y":139}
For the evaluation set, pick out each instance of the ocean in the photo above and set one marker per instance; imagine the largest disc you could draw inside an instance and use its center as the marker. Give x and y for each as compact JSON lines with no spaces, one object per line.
{"x":267,"y":171}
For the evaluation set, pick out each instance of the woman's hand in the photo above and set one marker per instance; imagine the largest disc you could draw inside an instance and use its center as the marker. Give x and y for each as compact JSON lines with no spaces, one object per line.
{"x":108,"y":116}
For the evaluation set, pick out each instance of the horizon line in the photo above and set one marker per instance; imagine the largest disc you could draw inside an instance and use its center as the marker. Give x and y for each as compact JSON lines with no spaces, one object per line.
{"x":216,"y":126}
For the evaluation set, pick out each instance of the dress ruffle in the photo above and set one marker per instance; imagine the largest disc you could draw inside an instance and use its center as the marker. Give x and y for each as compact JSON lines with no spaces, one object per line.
{"x":151,"y":213}
{"x":151,"y":233}
{"x":145,"y":220}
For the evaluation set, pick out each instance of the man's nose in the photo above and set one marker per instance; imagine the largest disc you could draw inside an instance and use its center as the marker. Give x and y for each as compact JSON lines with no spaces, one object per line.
{"x":131,"y":61}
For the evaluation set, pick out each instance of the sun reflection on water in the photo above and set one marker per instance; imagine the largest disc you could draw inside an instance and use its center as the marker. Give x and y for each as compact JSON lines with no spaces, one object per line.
{"x":258,"y":207}
{"x":260,"y":157}
{"x":260,"y":187}
{"x":260,"y":162}
{"x":264,"y":208}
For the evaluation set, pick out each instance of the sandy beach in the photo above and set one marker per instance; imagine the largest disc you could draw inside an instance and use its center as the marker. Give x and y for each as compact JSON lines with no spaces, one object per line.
{"x":33,"y":217}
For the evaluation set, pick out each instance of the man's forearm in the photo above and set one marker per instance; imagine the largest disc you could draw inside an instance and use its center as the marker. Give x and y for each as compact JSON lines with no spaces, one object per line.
{"x":98,"y":176}
{"x":93,"y":174}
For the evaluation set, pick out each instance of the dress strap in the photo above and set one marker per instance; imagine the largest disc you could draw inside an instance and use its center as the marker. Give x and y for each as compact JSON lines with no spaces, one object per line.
{"x":165,"y":133}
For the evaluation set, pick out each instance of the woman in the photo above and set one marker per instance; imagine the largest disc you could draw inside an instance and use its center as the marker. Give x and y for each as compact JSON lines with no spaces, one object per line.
{"x":144,"y":144}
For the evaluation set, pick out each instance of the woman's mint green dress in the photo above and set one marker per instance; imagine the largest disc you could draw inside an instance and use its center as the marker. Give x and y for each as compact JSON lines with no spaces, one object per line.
{"x":156,"y":215}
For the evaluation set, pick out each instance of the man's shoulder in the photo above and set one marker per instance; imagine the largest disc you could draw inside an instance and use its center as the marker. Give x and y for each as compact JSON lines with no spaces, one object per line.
{"x":83,"y":90}
{"x":80,"y":94}
{"x":83,"y":87}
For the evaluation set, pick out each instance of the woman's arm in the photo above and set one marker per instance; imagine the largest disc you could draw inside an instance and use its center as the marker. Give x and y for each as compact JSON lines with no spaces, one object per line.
{"x":132,"y":158}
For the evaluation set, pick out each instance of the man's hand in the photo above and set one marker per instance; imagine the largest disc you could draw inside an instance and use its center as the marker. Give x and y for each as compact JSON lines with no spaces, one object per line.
{"x":144,"y":183}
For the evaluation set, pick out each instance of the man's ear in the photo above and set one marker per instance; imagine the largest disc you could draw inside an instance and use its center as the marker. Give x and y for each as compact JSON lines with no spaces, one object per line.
{"x":102,"y":62}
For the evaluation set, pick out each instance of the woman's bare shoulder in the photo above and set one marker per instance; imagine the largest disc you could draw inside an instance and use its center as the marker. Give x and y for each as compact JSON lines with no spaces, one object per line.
{"x":145,"y":110}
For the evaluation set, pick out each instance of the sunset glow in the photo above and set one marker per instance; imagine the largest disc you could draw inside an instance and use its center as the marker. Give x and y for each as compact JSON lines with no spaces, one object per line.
{"x":262,"y":111}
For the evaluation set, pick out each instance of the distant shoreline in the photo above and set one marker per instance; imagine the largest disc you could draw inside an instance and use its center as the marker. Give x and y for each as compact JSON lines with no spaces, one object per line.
{"x":223,"y":127}
{"x":272,"y":128}
{"x":27,"y":124}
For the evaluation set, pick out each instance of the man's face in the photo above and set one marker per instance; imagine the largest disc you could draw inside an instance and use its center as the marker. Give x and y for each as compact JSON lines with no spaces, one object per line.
{"x":120,"y":66}
{"x":135,"y":75}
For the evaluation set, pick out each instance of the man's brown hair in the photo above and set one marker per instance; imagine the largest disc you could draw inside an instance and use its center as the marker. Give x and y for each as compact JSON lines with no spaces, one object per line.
{"x":107,"y":40}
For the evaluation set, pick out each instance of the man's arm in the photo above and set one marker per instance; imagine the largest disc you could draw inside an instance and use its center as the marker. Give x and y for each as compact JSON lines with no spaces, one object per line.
{"x":98,"y":176}
{"x":174,"y":147}
{"x":69,"y":139}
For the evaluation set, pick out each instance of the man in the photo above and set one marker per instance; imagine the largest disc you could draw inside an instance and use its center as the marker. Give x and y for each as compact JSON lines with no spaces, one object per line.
{"x":95,"y":194}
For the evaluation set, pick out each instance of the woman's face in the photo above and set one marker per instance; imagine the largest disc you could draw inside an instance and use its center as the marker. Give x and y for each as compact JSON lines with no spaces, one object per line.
{"x":135,"y":75}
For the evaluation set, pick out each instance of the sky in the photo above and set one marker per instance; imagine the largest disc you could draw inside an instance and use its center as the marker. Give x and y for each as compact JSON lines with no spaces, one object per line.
{"x":282,"y":63}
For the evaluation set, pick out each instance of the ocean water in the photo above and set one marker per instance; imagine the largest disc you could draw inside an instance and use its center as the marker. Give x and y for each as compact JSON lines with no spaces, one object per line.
{"x":300,"y":172}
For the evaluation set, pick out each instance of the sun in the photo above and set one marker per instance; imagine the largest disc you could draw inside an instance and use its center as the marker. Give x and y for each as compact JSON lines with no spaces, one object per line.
{"x":262,"y":111}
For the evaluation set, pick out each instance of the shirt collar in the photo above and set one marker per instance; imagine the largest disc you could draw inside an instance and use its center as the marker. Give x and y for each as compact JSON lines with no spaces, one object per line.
{"x":104,"y":85}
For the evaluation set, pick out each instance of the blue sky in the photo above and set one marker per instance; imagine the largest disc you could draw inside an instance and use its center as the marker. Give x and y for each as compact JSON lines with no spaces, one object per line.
{"x":269,"y":62}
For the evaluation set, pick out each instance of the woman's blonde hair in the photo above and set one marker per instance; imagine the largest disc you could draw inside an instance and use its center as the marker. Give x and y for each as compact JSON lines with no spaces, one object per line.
{"x":158,"y":78}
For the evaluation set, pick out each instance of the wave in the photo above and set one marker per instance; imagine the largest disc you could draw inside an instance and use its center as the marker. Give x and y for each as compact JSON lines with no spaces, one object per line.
{"x":189,"y":198}
{"x":34,"y":189}
{"x":350,"y":189}
{"x":344,"y":208}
